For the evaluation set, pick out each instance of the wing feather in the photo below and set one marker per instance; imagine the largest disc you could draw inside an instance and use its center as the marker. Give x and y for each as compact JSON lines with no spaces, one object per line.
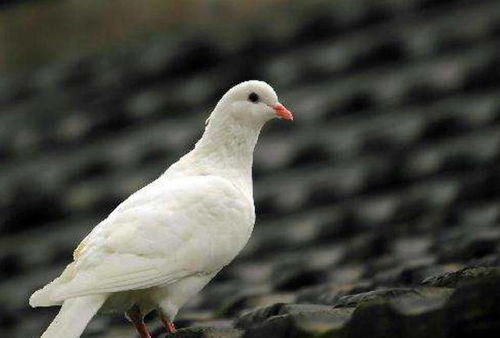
{"x":146,"y":279}
{"x":157,"y":236}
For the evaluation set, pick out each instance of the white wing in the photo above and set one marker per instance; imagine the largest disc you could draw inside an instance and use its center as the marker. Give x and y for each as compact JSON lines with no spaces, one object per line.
{"x":162,"y":233}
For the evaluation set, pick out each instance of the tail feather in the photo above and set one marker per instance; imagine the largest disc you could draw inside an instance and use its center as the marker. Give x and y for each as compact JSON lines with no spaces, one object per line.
{"x":42,"y":298}
{"x":74,"y":316}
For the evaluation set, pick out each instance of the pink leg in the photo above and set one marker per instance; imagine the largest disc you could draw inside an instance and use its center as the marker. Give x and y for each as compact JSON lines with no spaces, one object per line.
{"x":169,"y":326}
{"x":134,"y":315}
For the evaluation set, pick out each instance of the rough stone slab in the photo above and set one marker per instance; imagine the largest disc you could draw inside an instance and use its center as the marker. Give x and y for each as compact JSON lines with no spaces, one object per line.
{"x":453,"y":279}
{"x":205,"y":332}
{"x":302,"y":324}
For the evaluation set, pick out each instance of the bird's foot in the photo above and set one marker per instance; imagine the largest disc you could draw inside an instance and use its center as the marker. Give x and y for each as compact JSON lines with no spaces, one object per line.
{"x":169,"y":326}
{"x":135,"y":316}
{"x":143,"y":330}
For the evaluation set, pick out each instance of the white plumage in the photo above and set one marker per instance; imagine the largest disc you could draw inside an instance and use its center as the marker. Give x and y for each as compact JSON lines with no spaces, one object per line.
{"x":166,"y":241}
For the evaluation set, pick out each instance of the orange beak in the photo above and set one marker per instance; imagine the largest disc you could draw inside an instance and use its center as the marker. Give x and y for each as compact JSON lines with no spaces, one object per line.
{"x":282,"y":112}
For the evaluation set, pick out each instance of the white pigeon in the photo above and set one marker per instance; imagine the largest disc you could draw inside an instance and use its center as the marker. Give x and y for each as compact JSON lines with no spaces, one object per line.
{"x":165,"y":242}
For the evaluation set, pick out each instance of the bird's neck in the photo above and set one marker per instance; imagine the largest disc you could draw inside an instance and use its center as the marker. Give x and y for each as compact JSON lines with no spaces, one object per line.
{"x":225,"y":149}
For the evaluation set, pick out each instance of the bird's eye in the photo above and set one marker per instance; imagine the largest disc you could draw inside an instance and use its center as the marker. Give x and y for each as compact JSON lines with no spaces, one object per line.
{"x":253,"y":97}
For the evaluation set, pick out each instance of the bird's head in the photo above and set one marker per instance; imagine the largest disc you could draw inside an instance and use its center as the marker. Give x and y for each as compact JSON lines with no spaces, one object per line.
{"x":252,"y":103}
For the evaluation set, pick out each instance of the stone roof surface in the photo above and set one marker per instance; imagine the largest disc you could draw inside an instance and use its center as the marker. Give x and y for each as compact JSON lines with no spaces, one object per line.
{"x":378,"y":209}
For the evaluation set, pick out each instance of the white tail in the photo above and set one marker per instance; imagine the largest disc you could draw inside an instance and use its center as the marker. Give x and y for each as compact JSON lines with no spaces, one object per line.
{"x":74,"y":316}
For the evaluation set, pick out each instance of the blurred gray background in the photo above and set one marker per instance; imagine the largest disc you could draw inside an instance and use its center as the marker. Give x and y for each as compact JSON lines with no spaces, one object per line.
{"x":377,"y":208}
